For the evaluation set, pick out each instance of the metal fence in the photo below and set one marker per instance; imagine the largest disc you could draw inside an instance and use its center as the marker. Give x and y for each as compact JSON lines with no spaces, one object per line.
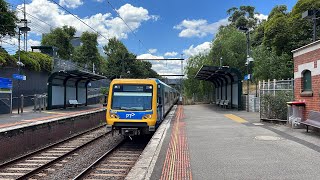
{"x":60,"y":64}
{"x":273,"y":97}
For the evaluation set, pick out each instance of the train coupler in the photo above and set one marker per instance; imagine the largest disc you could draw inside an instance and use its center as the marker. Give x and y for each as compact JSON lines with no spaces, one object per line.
{"x":130,"y":131}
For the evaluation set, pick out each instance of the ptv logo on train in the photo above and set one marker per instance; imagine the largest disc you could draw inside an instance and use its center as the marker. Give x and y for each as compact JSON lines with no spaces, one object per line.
{"x":131,"y":115}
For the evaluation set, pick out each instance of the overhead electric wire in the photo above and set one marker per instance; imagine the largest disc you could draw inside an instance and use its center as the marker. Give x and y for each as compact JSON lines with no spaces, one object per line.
{"x":127,"y":25}
{"x":79,"y":19}
{"x":36,"y":18}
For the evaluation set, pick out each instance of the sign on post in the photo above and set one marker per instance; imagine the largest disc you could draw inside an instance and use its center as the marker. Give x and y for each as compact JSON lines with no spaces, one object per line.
{"x":19,"y":77}
{"x":247,"y":77}
{"x":5,"y":83}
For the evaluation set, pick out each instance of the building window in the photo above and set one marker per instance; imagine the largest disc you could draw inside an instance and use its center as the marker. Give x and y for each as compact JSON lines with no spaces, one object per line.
{"x":307,"y":81}
{"x":306,"y":84}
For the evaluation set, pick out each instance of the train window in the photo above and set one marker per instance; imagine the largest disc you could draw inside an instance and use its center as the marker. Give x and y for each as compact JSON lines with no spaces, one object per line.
{"x":132,"y":97}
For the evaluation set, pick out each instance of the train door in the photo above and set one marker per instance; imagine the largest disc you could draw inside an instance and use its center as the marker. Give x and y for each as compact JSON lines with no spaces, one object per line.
{"x":160,"y":104}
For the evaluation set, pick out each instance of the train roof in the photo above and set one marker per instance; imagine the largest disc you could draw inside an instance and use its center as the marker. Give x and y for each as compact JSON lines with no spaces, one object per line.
{"x":150,"y":80}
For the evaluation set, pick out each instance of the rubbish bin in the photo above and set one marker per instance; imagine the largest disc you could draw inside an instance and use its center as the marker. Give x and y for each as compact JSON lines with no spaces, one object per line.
{"x":295,"y":113}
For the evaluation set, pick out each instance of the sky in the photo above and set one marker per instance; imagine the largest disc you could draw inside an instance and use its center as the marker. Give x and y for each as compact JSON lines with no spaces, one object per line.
{"x":149,"y":28}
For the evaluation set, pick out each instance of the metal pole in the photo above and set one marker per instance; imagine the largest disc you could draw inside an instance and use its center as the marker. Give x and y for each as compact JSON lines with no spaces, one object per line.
{"x":22,"y":100}
{"x":19,"y":63}
{"x":314,"y":26}
{"x":248,"y":50}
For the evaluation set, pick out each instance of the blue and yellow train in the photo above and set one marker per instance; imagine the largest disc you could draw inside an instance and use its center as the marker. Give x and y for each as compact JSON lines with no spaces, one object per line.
{"x":138,"y":106}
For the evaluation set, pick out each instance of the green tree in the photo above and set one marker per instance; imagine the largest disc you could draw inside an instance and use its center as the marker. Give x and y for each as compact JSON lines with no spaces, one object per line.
{"x":242,"y":16}
{"x":6,"y":59}
{"x":230,"y":45}
{"x":193,"y":86}
{"x":269,"y":65}
{"x":8,"y":20}
{"x":302,"y":28}
{"x":277,"y":33}
{"x":88,"y":54}
{"x":121,"y":62}
{"x":60,"y":38}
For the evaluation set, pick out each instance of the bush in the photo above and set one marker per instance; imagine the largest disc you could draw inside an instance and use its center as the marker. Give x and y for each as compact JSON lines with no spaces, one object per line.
{"x":6,"y":59}
{"x":35,"y":61}
{"x":275,"y":107}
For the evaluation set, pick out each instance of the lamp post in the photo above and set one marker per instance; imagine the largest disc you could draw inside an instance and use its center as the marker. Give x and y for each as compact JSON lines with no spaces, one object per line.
{"x":246,"y":30}
{"x":19,"y":63}
{"x":312,"y":14}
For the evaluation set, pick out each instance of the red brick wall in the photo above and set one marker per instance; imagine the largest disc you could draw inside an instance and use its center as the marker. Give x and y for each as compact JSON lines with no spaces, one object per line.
{"x":312,"y":103}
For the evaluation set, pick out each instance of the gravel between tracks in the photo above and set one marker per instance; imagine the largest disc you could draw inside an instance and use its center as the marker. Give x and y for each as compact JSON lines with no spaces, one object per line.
{"x":82,"y":159}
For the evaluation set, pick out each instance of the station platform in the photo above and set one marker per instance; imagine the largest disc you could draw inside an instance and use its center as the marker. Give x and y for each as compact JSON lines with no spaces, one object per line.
{"x":207,"y":142}
{"x":29,"y":117}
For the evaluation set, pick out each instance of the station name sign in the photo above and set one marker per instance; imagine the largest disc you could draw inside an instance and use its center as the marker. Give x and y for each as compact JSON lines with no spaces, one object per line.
{"x":5,"y":85}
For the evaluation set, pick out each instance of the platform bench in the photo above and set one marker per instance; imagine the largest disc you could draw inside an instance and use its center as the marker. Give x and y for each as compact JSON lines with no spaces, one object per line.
{"x":221,"y":103}
{"x":226,"y":104}
{"x":313,"y":120}
{"x":218,"y":102}
{"x":74,"y":103}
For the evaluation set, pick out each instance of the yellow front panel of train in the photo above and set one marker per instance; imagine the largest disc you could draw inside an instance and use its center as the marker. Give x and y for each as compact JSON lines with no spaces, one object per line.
{"x":132,"y":100}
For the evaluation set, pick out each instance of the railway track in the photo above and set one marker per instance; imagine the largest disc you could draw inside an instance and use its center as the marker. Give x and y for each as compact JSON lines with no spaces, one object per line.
{"x":117,"y":162}
{"x":51,"y":156}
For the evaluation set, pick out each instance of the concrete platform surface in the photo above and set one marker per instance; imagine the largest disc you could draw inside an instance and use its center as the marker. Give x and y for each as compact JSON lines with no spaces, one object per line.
{"x":206,"y":142}
{"x":29,"y":116}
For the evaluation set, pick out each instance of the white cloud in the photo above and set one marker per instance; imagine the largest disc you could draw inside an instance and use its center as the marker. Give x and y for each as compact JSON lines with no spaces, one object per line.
{"x":199,"y":28}
{"x":173,"y":67}
{"x":71,"y":3}
{"x":105,"y":24}
{"x":152,"y":51}
{"x":203,"y":48}
{"x":149,"y":56}
{"x":261,"y":17}
{"x":12,"y":44}
{"x":171,"y":54}
{"x":167,"y":67}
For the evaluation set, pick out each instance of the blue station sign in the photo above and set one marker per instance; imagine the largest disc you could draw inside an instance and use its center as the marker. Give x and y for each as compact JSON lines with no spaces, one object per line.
{"x":247,"y":77}
{"x":5,"y":83}
{"x":19,"y":77}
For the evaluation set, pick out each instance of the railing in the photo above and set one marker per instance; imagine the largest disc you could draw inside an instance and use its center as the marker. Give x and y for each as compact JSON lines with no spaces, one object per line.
{"x":273,"y":97}
{"x":60,"y":64}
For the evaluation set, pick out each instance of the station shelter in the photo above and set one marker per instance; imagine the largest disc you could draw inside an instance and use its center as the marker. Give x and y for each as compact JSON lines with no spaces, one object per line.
{"x":67,"y":85}
{"x":227,"y":82}
{"x":307,"y":76}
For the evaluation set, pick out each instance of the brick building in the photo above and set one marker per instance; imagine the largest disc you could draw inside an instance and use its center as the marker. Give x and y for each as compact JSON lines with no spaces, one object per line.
{"x":307,"y":76}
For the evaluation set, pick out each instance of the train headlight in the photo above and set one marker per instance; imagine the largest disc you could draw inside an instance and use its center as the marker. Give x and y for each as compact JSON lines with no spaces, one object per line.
{"x":113,"y":115}
{"x":147,"y":116}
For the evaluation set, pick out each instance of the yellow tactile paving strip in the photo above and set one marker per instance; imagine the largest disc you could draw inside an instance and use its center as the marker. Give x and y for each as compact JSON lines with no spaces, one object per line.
{"x":235,"y":118}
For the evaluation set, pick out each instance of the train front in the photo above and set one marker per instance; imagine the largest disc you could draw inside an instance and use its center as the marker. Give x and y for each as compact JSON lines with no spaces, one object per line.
{"x":131,"y":106}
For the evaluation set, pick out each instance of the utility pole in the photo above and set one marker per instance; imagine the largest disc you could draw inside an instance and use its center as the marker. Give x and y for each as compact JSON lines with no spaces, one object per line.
{"x":314,"y":18}
{"x":248,"y":55}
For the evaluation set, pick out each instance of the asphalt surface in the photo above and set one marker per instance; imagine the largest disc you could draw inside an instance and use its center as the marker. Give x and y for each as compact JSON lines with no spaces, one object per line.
{"x":221,"y":148}
{"x":29,"y":116}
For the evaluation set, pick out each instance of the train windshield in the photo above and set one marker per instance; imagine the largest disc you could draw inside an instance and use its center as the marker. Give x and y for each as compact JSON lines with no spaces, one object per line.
{"x":132,"y":97}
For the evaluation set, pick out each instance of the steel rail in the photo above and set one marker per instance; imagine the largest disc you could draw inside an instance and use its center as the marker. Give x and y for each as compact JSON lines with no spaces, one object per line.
{"x":47,"y":147}
{"x":82,"y":174}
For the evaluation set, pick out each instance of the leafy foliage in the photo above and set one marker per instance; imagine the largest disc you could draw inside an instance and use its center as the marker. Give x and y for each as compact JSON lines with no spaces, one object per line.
{"x":275,"y":107}
{"x":193,"y":86}
{"x":60,"y":38}
{"x":269,"y":65}
{"x":6,"y":59}
{"x":230,"y":45}
{"x":121,"y":62}
{"x":87,"y":54}
{"x":242,"y":16}
{"x":35,"y":61}
{"x":8,"y":20}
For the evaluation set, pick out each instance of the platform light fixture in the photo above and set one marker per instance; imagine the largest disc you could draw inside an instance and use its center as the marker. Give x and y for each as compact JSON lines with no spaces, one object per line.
{"x":312,"y":14}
